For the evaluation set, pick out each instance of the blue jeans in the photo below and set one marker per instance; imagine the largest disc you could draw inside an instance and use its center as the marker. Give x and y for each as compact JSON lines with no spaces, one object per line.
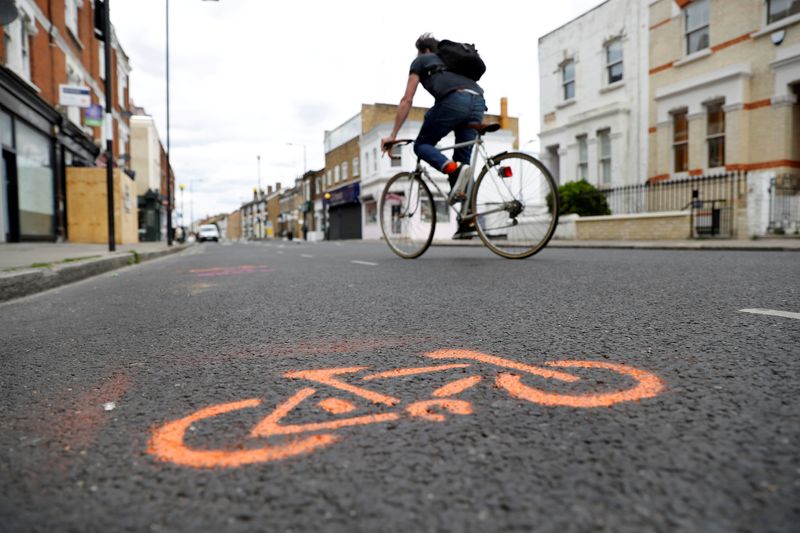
{"x":451,"y":113}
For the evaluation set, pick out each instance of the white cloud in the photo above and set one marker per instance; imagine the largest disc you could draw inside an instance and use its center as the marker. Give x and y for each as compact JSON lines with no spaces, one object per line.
{"x":248,"y":76}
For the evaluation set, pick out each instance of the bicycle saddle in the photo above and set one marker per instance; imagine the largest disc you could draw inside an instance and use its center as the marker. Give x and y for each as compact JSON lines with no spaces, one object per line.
{"x":484,"y":128}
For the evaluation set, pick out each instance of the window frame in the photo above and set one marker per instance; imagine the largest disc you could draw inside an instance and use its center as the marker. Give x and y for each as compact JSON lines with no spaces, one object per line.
{"x":687,"y":32}
{"x":717,"y":137}
{"x":567,"y":84}
{"x":604,"y":156}
{"x":356,"y":167}
{"x":397,"y":155}
{"x":682,"y":144}
{"x":583,"y":156}
{"x":788,"y":12}
{"x":620,"y":61}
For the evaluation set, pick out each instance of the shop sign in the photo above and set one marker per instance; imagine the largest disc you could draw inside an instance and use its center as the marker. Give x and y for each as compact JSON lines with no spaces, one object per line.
{"x":94,"y":115}
{"x":345,"y":195}
{"x":74,"y":95}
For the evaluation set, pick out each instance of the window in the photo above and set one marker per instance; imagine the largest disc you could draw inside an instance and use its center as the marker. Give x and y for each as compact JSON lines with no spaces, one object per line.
{"x":71,"y":15}
{"x":328,"y":175}
{"x":122,"y":84}
{"x":680,"y":140}
{"x":696,"y":26}
{"x":356,"y":167}
{"x":397,"y":155}
{"x":375,"y":159}
{"x":371,"y":212}
{"x":25,"y":46}
{"x":568,"y":79}
{"x":583,"y":157}
{"x":604,"y":140}
{"x":780,"y":9}
{"x":101,"y":60}
{"x":336,"y":173}
{"x":614,"y":61}
{"x":366,"y":161}
{"x":442,"y":211}
{"x":715,"y":134}
{"x":345,"y":171}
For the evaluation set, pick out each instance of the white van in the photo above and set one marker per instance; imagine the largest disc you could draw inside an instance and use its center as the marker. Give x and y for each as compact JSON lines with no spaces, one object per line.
{"x":208,"y":232}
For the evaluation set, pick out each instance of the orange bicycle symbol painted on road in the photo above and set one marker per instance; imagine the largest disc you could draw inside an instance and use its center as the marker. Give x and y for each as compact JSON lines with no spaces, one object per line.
{"x":168,"y":441}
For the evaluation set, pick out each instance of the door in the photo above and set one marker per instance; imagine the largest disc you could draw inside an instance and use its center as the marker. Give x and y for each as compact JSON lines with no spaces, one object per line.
{"x":11,"y":192}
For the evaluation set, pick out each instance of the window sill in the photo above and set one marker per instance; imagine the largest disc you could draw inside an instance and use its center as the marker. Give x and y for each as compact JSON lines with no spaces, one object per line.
{"x":693,"y":57}
{"x":779,"y":25}
{"x":565,"y":103}
{"x":612,"y":87}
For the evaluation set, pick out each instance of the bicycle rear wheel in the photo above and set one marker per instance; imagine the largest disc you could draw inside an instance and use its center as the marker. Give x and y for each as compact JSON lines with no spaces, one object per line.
{"x":516,"y":202}
{"x":407,"y":214}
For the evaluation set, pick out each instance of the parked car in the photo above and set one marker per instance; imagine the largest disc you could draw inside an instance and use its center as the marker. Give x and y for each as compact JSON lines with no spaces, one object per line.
{"x":208,"y":232}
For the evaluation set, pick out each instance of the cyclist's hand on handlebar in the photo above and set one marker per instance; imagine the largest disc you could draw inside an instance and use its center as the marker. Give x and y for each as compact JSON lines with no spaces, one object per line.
{"x":384,"y":141}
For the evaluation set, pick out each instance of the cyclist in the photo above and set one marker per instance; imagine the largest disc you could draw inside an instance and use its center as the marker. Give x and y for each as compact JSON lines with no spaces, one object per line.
{"x":459,"y":102}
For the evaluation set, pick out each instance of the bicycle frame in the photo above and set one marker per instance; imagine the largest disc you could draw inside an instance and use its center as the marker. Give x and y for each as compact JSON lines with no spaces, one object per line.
{"x":479,"y":149}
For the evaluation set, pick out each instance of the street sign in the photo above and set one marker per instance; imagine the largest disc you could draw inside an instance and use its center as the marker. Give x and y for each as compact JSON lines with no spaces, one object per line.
{"x":94,"y":115}
{"x":74,"y":95}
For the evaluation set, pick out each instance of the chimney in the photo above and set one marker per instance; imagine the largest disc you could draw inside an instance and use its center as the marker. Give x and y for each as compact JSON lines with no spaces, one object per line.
{"x":269,"y":189}
{"x":504,"y":113}
{"x":255,"y":194}
{"x":277,"y":186}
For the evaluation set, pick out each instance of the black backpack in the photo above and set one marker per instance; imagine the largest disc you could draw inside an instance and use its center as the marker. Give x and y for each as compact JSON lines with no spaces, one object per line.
{"x":461,"y":58}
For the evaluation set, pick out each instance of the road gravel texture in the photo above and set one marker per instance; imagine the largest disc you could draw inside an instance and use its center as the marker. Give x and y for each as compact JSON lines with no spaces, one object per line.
{"x":92,"y":371}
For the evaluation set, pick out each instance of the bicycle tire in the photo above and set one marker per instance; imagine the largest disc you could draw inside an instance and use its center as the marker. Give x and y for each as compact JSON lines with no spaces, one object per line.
{"x":538,"y":203}
{"x":405,"y":229}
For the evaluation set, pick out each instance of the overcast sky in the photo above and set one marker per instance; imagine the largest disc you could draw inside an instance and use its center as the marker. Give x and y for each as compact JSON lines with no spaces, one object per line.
{"x":249,"y":76}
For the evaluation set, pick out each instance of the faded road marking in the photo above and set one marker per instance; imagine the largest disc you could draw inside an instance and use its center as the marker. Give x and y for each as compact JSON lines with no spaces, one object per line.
{"x":307,"y":255}
{"x":784,"y":314}
{"x":364,"y":263}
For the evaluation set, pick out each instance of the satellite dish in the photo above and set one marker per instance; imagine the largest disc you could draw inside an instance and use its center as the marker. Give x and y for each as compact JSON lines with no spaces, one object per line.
{"x":8,"y":12}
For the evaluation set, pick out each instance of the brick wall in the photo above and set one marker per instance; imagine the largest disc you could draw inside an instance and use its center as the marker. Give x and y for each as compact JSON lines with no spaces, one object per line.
{"x":672,"y":225}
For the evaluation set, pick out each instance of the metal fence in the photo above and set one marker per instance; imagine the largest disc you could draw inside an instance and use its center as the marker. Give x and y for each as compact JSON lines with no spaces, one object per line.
{"x":676,"y":195}
{"x":784,"y":205}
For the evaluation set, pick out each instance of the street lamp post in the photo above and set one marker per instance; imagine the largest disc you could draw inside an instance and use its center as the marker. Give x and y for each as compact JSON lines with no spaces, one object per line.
{"x":258,"y":161}
{"x":182,"y":186}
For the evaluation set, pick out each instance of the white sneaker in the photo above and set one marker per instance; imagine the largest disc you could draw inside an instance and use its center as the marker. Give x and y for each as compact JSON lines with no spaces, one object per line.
{"x":457,"y":193}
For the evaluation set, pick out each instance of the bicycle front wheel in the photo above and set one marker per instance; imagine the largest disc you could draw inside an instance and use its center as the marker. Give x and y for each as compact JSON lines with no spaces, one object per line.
{"x":407,"y":214}
{"x":515,"y":205}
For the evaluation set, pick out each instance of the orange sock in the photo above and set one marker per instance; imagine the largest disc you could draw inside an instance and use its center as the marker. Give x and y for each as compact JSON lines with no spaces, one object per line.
{"x":450,"y":167}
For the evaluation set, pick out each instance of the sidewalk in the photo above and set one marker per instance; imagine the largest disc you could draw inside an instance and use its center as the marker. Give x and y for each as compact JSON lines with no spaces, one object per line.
{"x":28,"y":268}
{"x":785,"y":244}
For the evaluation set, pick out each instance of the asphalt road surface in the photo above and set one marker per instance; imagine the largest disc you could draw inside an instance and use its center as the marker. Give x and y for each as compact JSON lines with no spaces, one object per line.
{"x":336,"y":387}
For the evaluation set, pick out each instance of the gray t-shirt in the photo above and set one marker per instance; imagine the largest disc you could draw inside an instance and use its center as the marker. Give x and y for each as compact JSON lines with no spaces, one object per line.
{"x":439,"y":82}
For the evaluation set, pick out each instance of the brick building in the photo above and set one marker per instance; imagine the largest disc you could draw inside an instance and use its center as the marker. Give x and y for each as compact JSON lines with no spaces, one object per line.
{"x":724,"y":84}
{"x":52,"y":43}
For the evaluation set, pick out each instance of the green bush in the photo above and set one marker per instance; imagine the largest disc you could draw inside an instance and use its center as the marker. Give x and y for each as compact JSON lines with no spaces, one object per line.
{"x":581,"y":198}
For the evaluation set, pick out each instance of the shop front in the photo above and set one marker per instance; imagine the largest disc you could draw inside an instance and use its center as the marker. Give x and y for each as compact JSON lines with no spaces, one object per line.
{"x":37,"y":145}
{"x":344,"y":213}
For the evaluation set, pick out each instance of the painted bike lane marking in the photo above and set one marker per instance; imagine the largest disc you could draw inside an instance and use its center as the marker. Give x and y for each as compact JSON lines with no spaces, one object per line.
{"x":364,"y":263}
{"x":772,"y":312}
{"x":295,"y":438}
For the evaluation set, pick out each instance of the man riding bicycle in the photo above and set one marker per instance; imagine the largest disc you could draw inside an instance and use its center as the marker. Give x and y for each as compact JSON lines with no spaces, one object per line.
{"x":459,"y":102}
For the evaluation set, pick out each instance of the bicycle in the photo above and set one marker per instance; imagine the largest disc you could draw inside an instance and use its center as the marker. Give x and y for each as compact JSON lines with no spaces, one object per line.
{"x":513,"y":203}
{"x":286,"y":431}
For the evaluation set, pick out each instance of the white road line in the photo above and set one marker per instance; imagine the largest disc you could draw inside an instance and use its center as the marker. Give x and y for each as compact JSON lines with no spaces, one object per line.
{"x":307,"y":255}
{"x":785,"y":314}
{"x":365,"y":263}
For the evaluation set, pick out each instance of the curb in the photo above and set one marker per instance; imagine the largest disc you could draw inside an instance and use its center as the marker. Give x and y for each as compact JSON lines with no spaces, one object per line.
{"x":29,"y":281}
{"x":623,"y":245}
